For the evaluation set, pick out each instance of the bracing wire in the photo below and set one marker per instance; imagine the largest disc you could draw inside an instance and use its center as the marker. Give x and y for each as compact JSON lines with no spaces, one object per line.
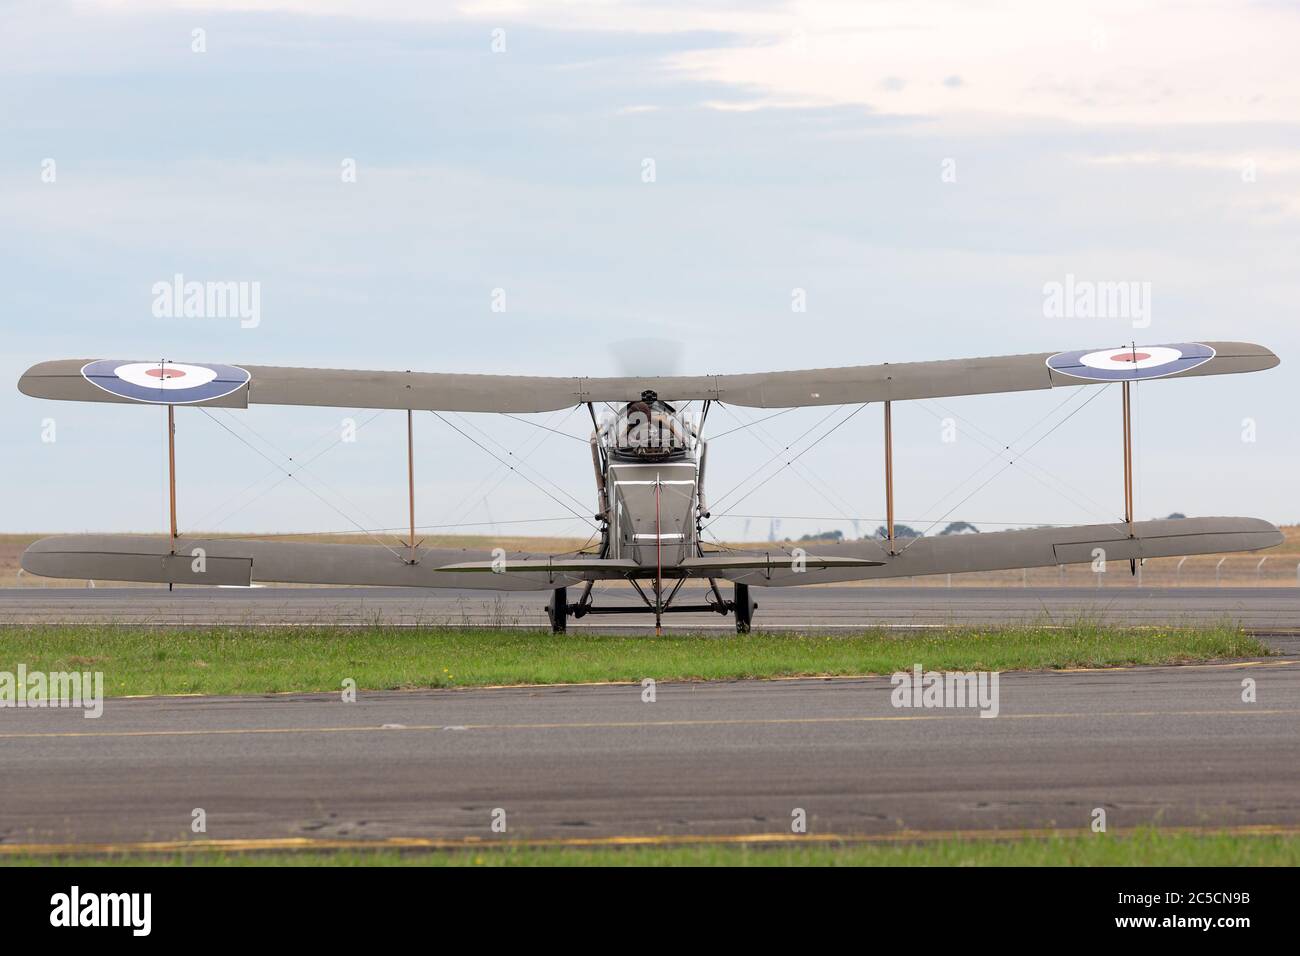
{"x":805,"y":451}
{"x":290,"y":474}
{"x":730,"y":491}
{"x":582,"y":517}
{"x":1009,"y":463}
{"x":275,"y":471}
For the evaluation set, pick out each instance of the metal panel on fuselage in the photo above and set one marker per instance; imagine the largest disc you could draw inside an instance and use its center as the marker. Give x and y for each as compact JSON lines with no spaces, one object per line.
{"x":634,"y":532}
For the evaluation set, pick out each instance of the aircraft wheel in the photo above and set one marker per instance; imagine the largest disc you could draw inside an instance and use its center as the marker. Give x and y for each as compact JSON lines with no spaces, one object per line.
{"x":744,"y":609}
{"x":558,"y":610}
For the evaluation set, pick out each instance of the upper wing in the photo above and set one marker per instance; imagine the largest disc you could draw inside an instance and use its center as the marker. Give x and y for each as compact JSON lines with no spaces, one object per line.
{"x":91,"y":380}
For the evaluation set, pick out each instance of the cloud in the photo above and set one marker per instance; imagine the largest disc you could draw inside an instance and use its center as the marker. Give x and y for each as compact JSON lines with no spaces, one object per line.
{"x":783,"y":162}
{"x":1264,"y":161}
{"x":1112,"y":62}
{"x":1109,"y":63}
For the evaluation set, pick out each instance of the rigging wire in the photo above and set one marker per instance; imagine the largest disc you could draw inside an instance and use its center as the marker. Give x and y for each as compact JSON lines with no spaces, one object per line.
{"x":730,"y":491}
{"x":997,"y":452}
{"x":419,"y":527}
{"x":274,"y":472}
{"x":465,"y":506}
{"x":290,"y":474}
{"x":805,"y":451}
{"x":810,"y":478}
{"x":284,"y":474}
{"x":468,"y":503}
{"x":904,"y":520}
{"x":741,"y":428}
{"x":512,"y":455}
{"x":296,"y":476}
{"x":579,"y":515}
{"x":544,"y":427}
{"x":1009,"y":463}
{"x":1093,"y":506}
{"x":302,"y":468}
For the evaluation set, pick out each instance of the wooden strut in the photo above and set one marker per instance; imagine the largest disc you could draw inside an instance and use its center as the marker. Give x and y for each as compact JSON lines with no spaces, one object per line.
{"x":171,"y":477}
{"x":889,"y":477}
{"x":171,"y":470}
{"x":1128,"y":472}
{"x":659,"y":566}
{"x":410,"y":478}
{"x":1128,"y":461}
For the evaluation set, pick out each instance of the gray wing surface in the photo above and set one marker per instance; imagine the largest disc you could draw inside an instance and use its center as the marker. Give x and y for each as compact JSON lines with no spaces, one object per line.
{"x":1034,"y":548}
{"x":453,"y":391}
{"x":240,"y":562}
{"x":237,"y":561}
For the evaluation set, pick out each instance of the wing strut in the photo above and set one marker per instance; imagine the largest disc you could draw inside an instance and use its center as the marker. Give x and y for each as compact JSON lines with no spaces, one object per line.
{"x":410,"y":479}
{"x":1128,"y":460}
{"x":1128,"y":466}
{"x":659,"y":566}
{"x":171,"y":473}
{"x":889,"y":477}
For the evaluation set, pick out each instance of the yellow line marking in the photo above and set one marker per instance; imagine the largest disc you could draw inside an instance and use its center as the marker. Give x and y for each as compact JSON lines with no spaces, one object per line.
{"x":1134,"y":667}
{"x":968,"y":714}
{"x":848,"y":677}
{"x":649,"y":840}
{"x":691,"y":680}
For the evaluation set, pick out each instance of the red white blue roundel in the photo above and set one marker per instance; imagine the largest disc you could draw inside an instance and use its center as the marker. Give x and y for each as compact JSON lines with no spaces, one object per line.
{"x":1130,"y":363}
{"x":165,"y":383}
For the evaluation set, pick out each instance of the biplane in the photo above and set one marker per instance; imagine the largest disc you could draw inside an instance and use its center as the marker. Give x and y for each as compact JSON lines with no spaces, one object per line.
{"x":649,"y":462}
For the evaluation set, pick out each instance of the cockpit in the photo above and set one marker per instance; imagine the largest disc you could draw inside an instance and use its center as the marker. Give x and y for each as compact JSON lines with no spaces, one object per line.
{"x":648,"y":430}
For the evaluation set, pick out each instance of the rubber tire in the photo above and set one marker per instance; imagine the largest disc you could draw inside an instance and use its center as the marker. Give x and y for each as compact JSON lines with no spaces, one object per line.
{"x":744,"y":609}
{"x":558,"y":610}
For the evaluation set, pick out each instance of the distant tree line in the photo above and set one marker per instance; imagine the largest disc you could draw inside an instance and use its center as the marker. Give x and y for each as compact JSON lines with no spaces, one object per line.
{"x":824,"y":536}
{"x":907,"y":531}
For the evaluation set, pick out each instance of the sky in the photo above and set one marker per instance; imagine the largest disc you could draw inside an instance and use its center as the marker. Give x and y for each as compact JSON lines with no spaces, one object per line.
{"x":569,"y":188}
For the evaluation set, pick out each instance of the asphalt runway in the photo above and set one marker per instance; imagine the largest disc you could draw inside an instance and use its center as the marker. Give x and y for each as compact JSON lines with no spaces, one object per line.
{"x":1172,"y":745}
{"x":1261,"y":609}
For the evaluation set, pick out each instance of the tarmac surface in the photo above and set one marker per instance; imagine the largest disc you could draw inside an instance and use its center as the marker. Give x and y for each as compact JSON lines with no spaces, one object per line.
{"x":1173,"y":745}
{"x":1261,"y":609}
{"x":1170,"y":745}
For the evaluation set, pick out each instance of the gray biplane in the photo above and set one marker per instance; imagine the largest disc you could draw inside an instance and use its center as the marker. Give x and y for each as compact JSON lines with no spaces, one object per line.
{"x":649,"y":462}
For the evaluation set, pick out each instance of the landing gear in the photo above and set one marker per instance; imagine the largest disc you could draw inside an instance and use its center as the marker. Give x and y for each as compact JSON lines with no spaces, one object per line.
{"x":744,"y":609}
{"x":558,"y":610}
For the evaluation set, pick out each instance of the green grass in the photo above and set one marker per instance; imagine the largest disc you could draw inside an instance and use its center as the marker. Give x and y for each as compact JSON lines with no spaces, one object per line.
{"x":247,"y":660}
{"x":1149,"y":847}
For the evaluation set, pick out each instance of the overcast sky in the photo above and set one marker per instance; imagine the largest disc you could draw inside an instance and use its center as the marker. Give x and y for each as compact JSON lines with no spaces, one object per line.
{"x":917,"y":172}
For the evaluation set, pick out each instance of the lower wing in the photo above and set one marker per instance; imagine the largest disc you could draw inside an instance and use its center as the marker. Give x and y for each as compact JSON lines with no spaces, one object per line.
{"x":234,"y":561}
{"x":237,"y":561}
{"x":1033,"y":548}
